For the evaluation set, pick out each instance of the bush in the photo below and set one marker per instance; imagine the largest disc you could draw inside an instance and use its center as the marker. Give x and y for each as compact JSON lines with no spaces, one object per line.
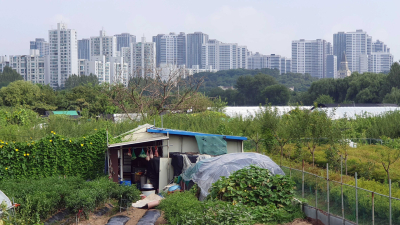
{"x":42,"y":198}
{"x":254,"y":186}
{"x":235,"y":208}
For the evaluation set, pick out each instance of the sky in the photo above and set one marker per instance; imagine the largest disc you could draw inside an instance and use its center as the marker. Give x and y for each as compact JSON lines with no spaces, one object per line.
{"x":265,"y":26}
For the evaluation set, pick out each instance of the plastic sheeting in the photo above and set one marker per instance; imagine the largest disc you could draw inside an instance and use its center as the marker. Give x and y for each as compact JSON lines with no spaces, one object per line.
{"x":118,"y":220}
{"x":211,"y":145}
{"x":208,"y":171}
{"x":149,"y":218}
{"x":3,"y":197}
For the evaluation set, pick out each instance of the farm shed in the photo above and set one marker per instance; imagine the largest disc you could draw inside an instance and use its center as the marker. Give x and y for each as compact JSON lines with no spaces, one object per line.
{"x":126,"y":162}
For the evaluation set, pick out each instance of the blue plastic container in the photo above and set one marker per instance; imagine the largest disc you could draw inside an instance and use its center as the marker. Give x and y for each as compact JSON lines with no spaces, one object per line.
{"x":174,"y":188}
{"x":125,"y":183}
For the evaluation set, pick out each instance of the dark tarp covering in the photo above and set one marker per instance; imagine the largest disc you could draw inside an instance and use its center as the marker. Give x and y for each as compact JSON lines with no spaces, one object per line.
{"x":211,"y":145}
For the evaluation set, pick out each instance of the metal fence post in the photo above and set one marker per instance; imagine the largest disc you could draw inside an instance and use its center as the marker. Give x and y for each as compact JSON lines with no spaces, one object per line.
{"x":316,"y":198}
{"x":327,"y":191}
{"x":390,"y":201}
{"x":373,"y":209}
{"x":341,"y":186}
{"x":302,"y":185}
{"x":356,"y":200}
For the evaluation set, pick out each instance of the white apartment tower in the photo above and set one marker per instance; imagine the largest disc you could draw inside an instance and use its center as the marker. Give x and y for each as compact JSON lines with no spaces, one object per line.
{"x":259,"y":61}
{"x":63,"y":55}
{"x":171,"y":49}
{"x":112,"y":71}
{"x":310,"y":57}
{"x":223,"y":56}
{"x":194,"y":43}
{"x":357,"y":47}
{"x":124,"y":40}
{"x":31,"y":67}
{"x":380,"y":59}
{"x":144,"y":58}
{"x":379,"y":62}
{"x":103,"y":45}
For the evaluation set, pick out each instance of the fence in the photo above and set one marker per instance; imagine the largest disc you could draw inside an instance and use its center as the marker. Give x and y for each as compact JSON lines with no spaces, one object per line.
{"x":343,"y":202}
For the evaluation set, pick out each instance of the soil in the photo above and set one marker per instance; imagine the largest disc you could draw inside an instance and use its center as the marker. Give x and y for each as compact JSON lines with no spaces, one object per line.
{"x":133,"y":213}
{"x":299,"y":222}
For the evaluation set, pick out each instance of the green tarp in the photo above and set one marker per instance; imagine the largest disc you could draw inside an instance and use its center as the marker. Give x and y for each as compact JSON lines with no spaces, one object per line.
{"x":211,"y":145}
{"x":69,"y":113}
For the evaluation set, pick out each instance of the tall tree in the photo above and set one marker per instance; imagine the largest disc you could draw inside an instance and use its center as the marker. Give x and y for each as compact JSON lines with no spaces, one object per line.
{"x":276,"y":94}
{"x":9,"y":75}
{"x":74,"y":81}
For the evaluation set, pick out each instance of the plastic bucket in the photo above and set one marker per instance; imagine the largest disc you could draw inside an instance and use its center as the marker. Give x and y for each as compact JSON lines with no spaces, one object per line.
{"x":125,"y":183}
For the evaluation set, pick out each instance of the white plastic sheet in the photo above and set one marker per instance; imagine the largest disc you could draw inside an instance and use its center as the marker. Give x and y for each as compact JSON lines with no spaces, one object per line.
{"x":208,"y":171}
{"x":3,"y":197}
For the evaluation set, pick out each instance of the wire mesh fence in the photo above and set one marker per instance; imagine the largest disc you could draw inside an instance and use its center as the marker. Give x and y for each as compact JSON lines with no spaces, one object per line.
{"x":346,"y":201}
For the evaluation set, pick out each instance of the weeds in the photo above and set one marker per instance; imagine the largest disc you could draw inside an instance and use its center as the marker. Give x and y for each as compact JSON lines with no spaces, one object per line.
{"x":42,"y":198}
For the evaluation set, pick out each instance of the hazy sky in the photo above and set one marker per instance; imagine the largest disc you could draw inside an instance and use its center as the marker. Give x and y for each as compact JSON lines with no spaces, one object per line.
{"x":265,"y":26}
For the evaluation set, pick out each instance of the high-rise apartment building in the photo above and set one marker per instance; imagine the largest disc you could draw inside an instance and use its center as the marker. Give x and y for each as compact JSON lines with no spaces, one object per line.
{"x":3,"y":63}
{"x":31,"y":67}
{"x":260,"y":61}
{"x":112,"y":71}
{"x":144,"y":58}
{"x":63,"y":55}
{"x":170,"y":49}
{"x":41,"y":45}
{"x":379,"y":46}
{"x":380,"y":62}
{"x":357,"y":46}
{"x":103,"y":45}
{"x":127,"y":54}
{"x":241,"y":54}
{"x":339,"y":46}
{"x":124,"y":40}
{"x":84,"y":49}
{"x":309,"y":56}
{"x":223,"y":56}
{"x":331,"y":66}
{"x":194,"y":43}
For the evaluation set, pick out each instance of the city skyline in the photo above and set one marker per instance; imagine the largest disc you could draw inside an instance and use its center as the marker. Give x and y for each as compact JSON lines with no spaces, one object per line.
{"x":262,"y":27}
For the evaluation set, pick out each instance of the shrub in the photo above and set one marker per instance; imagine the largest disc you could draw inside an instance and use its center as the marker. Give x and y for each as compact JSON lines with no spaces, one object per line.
{"x":41,"y":198}
{"x":254,"y":186}
{"x":236,"y":200}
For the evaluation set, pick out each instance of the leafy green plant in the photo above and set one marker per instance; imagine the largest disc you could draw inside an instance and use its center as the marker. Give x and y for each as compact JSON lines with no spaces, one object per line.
{"x":254,"y":186}
{"x":41,"y":198}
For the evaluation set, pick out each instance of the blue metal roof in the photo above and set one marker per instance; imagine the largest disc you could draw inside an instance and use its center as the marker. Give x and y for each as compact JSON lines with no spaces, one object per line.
{"x":188,"y":133}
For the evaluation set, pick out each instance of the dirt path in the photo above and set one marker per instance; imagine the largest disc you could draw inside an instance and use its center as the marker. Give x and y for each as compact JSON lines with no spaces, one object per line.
{"x":133,"y":213}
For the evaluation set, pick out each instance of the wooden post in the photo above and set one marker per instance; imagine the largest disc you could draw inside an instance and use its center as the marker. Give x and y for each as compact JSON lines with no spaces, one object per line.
{"x":121,"y":164}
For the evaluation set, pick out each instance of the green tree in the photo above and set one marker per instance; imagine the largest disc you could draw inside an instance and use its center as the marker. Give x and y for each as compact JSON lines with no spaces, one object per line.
{"x":366,"y":88}
{"x":276,"y":94}
{"x":23,"y":93}
{"x":393,"y":96}
{"x":393,"y":78}
{"x":9,"y":75}
{"x":19,"y":93}
{"x":251,"y":87}
{"x":75,"y":81}
{"x":318,"y":126}
{"x":324,"y":99}
{"x":389,"y":153}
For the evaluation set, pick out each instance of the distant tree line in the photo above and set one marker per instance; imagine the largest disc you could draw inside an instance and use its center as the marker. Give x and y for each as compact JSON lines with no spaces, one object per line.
{"x":358,"y":88}
{"x":85,"y":94}
{"x":267,"y":86}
